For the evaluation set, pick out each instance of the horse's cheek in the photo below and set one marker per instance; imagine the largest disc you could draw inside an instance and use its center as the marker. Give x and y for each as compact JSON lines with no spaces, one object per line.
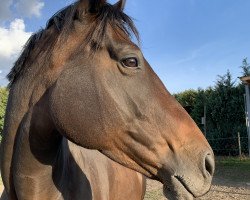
{"x":74,"y":107}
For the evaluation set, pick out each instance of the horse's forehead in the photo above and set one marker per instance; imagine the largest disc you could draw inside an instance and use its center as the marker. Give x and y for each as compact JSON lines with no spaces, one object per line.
{"x":118,"y":38}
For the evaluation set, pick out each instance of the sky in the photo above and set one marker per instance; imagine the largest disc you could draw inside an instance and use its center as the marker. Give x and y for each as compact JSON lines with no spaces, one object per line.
{"x":187,"y":42}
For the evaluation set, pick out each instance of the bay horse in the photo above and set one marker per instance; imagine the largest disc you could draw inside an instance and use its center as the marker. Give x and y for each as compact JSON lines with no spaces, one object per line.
{"x":82,"y":84}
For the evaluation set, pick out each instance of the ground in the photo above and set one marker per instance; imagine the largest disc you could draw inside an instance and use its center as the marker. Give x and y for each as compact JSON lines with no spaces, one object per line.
{"x":231,"y":182}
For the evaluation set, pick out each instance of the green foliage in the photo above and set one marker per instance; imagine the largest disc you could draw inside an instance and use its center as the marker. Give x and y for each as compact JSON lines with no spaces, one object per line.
{"x":226,"y":108}
{"x":225,"y":113}
{"x":232,"y":161}
{"x":187,"y":99}
{"x":3,"y":103}
{"x":245,"y":67}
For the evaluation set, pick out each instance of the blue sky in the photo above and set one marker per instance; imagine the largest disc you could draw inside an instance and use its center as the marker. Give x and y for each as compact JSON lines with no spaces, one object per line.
{"x":187,"y":42}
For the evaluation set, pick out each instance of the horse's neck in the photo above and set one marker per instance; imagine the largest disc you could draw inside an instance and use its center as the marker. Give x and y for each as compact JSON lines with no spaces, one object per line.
{"x":18,"y":105}
{"x":20,"y":100}
{"x":30,"y":144}
{"x":38,"y":146}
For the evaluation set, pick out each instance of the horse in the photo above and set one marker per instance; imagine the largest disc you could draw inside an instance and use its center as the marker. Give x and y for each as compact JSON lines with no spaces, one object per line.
{"x":82,"y":93}
{"x":117,"y":182}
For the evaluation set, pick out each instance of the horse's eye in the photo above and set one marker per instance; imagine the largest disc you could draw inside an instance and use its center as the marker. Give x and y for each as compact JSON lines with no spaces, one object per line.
{"x":130,"y":62}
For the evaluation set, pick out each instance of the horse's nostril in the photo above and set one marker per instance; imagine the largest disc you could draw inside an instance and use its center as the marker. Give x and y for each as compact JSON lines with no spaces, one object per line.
{"x":209,"y":164}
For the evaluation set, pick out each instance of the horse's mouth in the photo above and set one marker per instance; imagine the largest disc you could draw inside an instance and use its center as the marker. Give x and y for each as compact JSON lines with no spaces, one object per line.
{"x":178,"y":189}
{"x":180,"y":179}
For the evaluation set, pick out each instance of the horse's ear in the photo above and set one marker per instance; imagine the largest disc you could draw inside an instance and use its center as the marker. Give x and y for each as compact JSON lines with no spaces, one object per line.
{"x":91,"y":6}
{"x":120,"y":4}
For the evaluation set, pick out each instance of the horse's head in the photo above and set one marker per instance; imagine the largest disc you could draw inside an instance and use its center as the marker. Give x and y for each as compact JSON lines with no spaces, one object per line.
{"x":107,"y":97}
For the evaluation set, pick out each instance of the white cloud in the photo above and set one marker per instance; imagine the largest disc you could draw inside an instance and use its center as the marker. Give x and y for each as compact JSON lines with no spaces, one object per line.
{"x":30,"y":8}
{"x":5,"y":66}
{"x":10,"y":9}
{"x":13,"y":35}
{"x":12,"y":40}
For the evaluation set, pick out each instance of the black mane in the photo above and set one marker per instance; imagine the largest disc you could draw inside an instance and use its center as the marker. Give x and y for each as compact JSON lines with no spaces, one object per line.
{"x":63,"y":20}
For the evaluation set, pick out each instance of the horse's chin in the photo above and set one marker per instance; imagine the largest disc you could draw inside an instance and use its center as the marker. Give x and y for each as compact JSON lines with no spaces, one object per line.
{"x":176,"y":190}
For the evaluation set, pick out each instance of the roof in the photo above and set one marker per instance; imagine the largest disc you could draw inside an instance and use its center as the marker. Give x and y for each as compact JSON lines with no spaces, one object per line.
{"x":245,"y":80}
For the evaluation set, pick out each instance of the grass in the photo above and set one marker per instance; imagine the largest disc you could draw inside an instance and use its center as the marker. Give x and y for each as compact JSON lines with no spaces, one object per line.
{"x":242,"y":163}
{"x":232,"y":161}
{"x":233,"y":169}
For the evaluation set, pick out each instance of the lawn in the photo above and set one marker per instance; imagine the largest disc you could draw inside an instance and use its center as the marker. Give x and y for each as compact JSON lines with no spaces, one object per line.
{"x":233,"y":169}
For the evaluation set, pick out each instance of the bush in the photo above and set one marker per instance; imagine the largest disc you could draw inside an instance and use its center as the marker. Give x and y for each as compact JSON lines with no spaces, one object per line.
{"x":225,"y":113}
{"x":3,"y":103}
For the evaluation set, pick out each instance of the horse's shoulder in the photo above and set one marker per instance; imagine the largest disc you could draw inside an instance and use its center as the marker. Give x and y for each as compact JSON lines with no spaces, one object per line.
{"x":113,"y":176}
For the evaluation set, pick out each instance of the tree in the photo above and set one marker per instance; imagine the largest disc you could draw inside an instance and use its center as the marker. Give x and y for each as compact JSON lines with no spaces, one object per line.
{"x":187,"y":99}
{"x":3,"y":103}
{"x":200,"y":102}
{"x":245,"y":67}
{"x":226,"y":107}
{"x":225,"y":112}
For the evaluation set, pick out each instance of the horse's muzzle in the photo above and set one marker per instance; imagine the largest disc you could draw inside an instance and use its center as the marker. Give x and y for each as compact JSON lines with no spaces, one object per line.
{"x":187,"y":179}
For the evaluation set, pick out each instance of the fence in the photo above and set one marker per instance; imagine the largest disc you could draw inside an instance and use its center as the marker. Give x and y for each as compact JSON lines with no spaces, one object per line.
{"x":231,"y":146}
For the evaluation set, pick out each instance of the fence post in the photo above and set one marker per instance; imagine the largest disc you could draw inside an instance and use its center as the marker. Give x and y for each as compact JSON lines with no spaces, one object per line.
{"x":239,"y":144}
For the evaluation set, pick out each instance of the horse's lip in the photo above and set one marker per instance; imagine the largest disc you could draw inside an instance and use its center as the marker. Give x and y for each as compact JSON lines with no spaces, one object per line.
{"x":180,"y":180}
